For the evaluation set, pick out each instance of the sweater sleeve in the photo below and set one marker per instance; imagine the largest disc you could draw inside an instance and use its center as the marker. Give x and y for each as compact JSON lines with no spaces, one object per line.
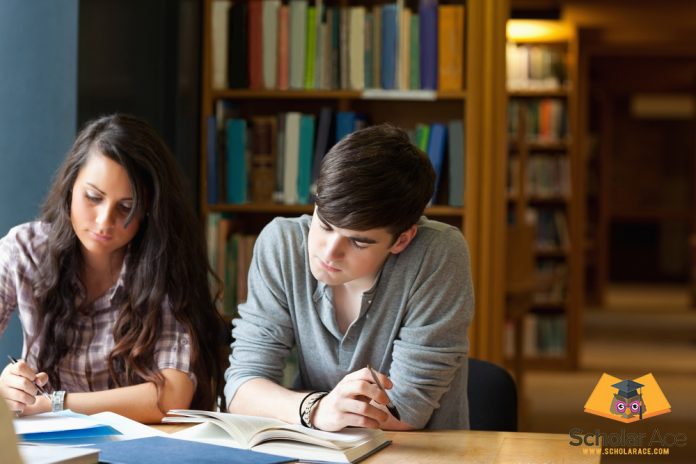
{"x":263,"y":333}
{"x":432,"y":344}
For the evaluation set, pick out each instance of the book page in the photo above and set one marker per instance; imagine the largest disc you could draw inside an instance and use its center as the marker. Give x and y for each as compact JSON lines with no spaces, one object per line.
{"x":251,"y":430}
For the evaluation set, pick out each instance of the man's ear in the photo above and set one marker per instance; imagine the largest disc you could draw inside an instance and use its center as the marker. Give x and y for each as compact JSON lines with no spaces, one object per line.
{"x":404,"y":240}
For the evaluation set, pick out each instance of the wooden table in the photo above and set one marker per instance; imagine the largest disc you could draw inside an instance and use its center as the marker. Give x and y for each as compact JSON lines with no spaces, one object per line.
{"x":466,"y":446}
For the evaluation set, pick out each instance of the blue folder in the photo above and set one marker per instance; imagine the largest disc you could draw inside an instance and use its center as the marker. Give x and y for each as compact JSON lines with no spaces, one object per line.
{"x":172,"y":450}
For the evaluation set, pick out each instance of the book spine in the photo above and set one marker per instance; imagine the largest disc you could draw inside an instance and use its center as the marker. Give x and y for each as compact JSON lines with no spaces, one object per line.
{"x":270,"y":43}
{"x":427,"y":12}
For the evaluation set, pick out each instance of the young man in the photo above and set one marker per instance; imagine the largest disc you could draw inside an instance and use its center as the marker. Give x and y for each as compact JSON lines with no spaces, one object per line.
{"x":364,"y":281}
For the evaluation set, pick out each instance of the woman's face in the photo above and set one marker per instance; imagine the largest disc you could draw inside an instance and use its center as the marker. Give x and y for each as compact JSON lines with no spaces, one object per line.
{"x":101,"y":202}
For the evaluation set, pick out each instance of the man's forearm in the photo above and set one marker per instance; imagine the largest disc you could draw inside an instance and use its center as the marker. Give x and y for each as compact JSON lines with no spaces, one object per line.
{"x":262,"y":397}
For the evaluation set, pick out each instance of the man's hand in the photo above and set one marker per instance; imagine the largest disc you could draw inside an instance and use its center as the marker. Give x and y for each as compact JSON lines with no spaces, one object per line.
{"x":350,"y":403}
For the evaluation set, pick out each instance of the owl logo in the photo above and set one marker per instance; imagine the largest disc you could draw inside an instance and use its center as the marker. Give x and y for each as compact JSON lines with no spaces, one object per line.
{"x":628,"y":401}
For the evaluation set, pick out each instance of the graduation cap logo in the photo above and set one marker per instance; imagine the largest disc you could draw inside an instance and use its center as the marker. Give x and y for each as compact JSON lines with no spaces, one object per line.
{"x":627,"y":400}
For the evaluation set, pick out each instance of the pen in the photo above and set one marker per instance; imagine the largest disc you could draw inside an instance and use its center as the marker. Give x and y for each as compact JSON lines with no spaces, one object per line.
{"x":40,"y":389}
{"x":390,"y":406}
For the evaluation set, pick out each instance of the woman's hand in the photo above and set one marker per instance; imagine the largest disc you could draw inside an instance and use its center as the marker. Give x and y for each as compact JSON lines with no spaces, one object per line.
{"x":353,"y":402}
{"x":18,"y":390}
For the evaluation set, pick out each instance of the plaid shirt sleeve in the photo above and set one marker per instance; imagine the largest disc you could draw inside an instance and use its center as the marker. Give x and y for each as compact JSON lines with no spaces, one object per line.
{"x":8,"y":288}
{"x":173,"y":350}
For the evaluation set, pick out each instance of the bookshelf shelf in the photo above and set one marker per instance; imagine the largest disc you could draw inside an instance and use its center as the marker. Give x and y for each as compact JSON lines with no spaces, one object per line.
{"x":544,"y":158}
{"x":369,"y":94}
{"x":537,"y":93}
{"x":280,"y":209}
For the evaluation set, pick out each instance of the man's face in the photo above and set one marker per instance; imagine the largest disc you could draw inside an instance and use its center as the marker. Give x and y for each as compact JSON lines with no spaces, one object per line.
{"x":340,"y":256}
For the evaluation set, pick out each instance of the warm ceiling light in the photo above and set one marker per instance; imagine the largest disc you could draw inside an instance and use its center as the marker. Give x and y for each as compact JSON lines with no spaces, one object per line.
{"x":530,"y":30}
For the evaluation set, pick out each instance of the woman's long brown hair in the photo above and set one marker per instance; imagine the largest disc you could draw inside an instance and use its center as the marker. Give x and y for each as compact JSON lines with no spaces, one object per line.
{"x":167,"y":264}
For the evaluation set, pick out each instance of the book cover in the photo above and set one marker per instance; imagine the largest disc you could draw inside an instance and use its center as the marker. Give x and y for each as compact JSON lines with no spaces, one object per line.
{"x":325,"y":130}
{"x":404,"y":49}
{"x":306,"y":152}
{"x":283,"y":70}
{"x":255,"y":42}
{"x":236,"y":168}
{"x":263,"y":150}
{"x":343,"y":47}
{"x":436,"y":153}
{"x":237,"y":49}
{"x":291,"y":157}
{"x":356,"y":48}
{"x":345,"y":124}
{"x":427,"y":11}
{"x":269,"y":24}
{"x":311,"y":51}
{"x":414,"y":54}
{"x":369,"y":50}
{"x":298,"y":45}
{"x":457,"y":162}
{"x":219,"y":15}
{"x":376,"y":47}
{"x":278,"y":437}
{"x":164,"y":449}
{"x":389,"y":47}
{"x":451,"y":47}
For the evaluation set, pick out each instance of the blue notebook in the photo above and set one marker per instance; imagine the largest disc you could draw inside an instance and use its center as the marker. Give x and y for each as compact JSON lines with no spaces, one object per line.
{"x":172,"y":450}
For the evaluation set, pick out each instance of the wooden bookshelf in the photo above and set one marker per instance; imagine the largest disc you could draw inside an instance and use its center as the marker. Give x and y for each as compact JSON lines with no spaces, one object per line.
{"x":480,"y":104}
{"x":544,"y":157}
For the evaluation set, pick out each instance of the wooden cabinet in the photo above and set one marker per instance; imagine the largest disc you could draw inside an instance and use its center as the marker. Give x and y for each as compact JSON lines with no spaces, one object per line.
{"x":543,"y":186}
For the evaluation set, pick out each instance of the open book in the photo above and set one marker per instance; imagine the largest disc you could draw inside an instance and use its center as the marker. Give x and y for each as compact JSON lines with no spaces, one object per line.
{"x":277,"y":437}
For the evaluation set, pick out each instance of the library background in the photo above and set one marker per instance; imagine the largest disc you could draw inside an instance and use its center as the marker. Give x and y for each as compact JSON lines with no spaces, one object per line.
{"x":562,"y":133}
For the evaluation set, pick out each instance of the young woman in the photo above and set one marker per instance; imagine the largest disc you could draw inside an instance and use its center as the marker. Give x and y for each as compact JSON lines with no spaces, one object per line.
{"x":112,"y":285}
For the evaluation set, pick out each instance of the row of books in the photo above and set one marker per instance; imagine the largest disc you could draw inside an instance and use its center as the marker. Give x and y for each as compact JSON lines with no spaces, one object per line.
{"x":552,"y":280}
{"x":544,"y":336}
{"x":276,"y":159}
{"x":535,"y":67}
{"x":309,"y":45}
{"x":546,"y":119}
{"x":546,"y":176}
{"x":229,"y":253}
{"x":551,"y":228}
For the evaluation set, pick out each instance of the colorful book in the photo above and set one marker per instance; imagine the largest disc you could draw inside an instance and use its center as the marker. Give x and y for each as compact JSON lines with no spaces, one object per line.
{"x":298,"y":45}
{"x":427,"y":11}
{"x":237,"y":50}
{"x":376,"y":47}
{"x":436,"y":152}
{"x":219,"y":15}
{"x":451,"y":47}
{"x":324,"y":139}
{"x":414,"y":54}
{"x":236,"y":169}
{"x":356,"y":48}
{"x":306,"y":155}
{"x":269,"y":25}
{"x":311,"y":44}
{"x":255,"y":44}
{"x":404,"y":48}
{"x":262,"y":159}
{"x":389,"y":47}
{"x":291,"y":157}
{"x":283,"y":70}
{"x":457,"y":162}
{"x":345,"y":124}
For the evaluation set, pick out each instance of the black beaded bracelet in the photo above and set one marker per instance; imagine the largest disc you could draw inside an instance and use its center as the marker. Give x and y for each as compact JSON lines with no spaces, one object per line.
{"x":305,"y":411}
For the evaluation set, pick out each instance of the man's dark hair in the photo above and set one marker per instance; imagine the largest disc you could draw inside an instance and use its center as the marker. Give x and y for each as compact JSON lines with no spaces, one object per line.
{"x":374,"y":178}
